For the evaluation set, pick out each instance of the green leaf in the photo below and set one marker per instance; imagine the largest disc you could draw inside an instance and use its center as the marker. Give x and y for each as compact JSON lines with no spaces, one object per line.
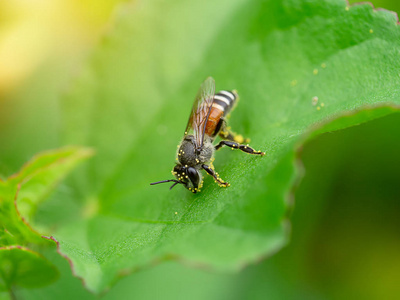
{"x":22,"y":267}
{"x":40,"y":176}
{"x":20,"y":195}
{"x":328,"y":222}
{"x":133,"y":101}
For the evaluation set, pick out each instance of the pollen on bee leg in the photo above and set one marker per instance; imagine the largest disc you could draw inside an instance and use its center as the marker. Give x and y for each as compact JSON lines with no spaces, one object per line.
{"x":239,"y":139}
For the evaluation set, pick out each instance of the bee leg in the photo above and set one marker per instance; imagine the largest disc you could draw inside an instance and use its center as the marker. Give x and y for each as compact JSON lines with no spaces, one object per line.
{"x":217,"y":179}
{"x":234,"y":145}
{"x":226,"y":134}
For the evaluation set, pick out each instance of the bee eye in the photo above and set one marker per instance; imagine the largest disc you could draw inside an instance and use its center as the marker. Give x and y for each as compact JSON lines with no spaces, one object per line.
{"x":194,"y":176}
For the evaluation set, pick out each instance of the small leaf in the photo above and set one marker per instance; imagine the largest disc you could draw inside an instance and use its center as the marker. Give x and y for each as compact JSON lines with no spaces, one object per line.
{"x":22,"y":192}
{"x":39,"y":176}
{"x":26,"y":189}
{"x":22,"y":267}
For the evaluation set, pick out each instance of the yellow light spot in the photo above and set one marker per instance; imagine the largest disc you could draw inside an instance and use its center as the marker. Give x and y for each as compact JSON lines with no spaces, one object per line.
{"x":176,"y":212}
{"x":314,"y":100}
{"x":371,"y":31}
{"x":318,"y":108}
{"x":315,"y":71}
{"x":347,"y":8}
{"x":293,"y":82}
{"x":322,"y":104}
{"x":323,"y":65}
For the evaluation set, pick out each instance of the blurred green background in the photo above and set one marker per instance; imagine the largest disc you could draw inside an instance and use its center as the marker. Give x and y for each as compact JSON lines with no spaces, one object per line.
{"x":346,"y":222}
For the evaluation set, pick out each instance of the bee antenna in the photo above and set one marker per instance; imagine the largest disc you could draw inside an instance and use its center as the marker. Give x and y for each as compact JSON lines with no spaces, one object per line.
{"x":162,"y":181}
{"x":169,"y":180}
{"x":176,"y":182}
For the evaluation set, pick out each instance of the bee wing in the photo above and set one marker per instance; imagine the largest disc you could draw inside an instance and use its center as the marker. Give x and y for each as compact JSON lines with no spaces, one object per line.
{"x":201,"y":111}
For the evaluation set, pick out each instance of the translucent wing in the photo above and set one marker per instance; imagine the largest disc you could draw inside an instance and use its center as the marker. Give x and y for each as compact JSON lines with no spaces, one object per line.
{"x":201,"y":111}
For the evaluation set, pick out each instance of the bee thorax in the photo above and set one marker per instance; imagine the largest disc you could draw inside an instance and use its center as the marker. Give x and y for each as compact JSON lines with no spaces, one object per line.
{"x":187,"y":154}
{"x":207,"y":152}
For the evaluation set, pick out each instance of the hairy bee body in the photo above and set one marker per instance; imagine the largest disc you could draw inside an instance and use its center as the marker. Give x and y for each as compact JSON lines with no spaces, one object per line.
{"x":206,"y":122}
{"x":187,"y":152}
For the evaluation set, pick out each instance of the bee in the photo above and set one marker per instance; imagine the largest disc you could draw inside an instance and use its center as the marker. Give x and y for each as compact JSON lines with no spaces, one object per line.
{"x":196,"y":151}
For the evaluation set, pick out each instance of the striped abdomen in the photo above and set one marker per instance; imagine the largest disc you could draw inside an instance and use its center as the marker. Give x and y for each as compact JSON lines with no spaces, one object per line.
{"x":223,"y":103}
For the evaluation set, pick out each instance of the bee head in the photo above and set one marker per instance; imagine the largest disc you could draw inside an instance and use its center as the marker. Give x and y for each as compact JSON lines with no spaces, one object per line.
{"x":189,"y":176}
